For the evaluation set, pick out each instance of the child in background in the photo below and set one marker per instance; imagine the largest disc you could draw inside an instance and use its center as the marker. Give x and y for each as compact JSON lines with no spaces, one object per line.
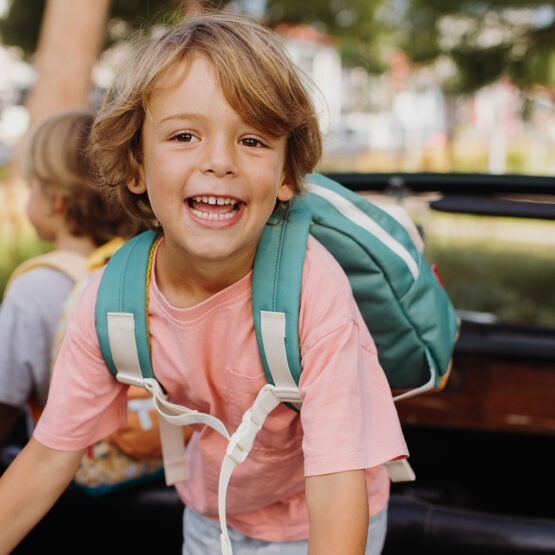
{"x":206,"y":133}
{"x":67,"y":210}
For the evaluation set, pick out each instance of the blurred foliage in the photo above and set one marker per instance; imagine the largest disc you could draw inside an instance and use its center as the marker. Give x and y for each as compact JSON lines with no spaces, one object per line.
{"x":485,"y":39}
{"x":358,"y":25}
{"x":21,"y":24}
{"x":362,"y":28}
{"x":15,"y":248}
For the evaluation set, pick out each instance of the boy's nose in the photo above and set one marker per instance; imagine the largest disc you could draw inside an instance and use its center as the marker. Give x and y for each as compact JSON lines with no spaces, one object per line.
{"x":219,"y":158}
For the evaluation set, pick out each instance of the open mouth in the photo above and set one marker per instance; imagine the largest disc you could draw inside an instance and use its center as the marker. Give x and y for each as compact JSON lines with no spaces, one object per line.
{"x":214,"y":208}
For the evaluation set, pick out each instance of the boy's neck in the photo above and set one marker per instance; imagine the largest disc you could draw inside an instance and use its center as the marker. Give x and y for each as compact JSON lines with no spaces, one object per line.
{"x":191,"y":285}
{"x":78,"y":245}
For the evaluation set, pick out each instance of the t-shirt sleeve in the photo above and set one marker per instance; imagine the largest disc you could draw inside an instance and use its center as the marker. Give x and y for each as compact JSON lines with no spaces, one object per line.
{"x":85,"y":402}
{"x":347,"y":401}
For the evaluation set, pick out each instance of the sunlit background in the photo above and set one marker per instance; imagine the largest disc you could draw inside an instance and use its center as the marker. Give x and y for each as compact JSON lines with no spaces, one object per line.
{"x":403,"y":85}
{"x":400,"y":86}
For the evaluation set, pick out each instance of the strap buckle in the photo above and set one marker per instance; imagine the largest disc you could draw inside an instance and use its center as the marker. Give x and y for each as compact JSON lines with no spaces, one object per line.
{"x":240,"y":443}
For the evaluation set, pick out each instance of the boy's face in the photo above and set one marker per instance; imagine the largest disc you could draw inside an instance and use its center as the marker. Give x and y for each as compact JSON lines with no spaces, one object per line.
{"x":212,"y":179}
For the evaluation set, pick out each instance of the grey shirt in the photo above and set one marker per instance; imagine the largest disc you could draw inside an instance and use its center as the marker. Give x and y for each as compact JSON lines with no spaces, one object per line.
{"x":29,"y":315}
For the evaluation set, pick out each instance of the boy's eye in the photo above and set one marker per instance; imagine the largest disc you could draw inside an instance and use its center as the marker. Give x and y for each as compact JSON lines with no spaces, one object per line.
{"x":252,"y":142}
{"x":183,"y":137}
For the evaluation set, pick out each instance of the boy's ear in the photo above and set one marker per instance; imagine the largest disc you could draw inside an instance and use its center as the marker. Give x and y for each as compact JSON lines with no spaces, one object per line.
{"x":285,"y":191}
{"x":57,"y":204}
{"x":136,"y":186}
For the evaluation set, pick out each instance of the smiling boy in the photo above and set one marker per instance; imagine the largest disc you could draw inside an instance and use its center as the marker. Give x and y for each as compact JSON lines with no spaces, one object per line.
{"x":207,"y":133}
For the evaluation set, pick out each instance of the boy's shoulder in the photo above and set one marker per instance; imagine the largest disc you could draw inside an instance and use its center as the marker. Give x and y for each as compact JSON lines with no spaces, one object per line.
{"x":35,"y":296}
{"x":70,"y":264}
{"x":321,"y":267}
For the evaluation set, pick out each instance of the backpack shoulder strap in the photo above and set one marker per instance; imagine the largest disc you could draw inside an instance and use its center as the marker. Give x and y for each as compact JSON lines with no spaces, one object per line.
{"x":122,"y":327}
{"x":122,"y":307}
{"x":276,"y":293}
{"x":71,"y":264}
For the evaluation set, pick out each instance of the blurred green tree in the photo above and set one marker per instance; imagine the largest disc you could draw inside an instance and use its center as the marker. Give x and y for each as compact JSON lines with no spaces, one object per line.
{"x":363,"y":28}
{"x":359,"y":25}
{"x":22,"y":22}
{"x":485,"y":40}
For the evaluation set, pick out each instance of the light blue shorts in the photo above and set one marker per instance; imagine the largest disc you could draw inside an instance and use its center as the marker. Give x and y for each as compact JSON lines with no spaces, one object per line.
{"x":202,"y":537}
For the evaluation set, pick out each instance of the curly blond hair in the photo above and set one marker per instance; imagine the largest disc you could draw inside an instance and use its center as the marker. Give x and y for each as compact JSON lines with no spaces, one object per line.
{"x":258,"y":79}
{"x":55,"y":155}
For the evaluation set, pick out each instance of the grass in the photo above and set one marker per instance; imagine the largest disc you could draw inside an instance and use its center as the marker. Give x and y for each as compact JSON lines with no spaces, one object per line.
{"x":513,"y":282}
{"x":14,"y":249}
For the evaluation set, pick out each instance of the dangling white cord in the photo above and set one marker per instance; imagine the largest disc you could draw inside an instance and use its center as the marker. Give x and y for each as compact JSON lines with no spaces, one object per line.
{"x":240,"y":445}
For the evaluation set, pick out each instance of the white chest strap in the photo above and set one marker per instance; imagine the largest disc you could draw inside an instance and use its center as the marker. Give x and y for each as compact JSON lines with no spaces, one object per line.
{"x":126,"y":360}
{"x":239,"y":443}
{"x":174,"y":416}
{"x":238,"y":448}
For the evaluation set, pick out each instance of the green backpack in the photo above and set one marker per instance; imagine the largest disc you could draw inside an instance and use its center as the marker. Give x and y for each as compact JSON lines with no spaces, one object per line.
{"x":407,"y":311}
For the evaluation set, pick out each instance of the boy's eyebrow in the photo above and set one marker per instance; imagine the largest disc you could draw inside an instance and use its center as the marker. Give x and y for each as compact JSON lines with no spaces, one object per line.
{"x":183,"y":116}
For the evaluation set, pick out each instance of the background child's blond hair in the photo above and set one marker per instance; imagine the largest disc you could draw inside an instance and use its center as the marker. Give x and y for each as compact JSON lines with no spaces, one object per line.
{"x":56,"y":156}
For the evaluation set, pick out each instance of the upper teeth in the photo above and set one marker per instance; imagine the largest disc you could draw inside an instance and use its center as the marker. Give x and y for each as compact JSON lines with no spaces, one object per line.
{"x":215,"y":200}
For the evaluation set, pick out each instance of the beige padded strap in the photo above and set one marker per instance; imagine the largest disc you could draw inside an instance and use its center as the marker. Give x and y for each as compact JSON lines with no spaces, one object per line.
{"x":173,"y":453}
{"x":121,"y":333}
{"x":126,"y":360}
{"x":400,"y":471}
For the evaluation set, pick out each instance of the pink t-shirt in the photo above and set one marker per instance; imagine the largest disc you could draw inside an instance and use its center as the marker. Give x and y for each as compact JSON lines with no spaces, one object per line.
{"x":207,"y":359}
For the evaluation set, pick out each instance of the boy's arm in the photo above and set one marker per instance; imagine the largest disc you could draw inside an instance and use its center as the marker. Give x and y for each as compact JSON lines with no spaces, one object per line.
{"x":30,"y":486}
{"x":337,"y":513}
